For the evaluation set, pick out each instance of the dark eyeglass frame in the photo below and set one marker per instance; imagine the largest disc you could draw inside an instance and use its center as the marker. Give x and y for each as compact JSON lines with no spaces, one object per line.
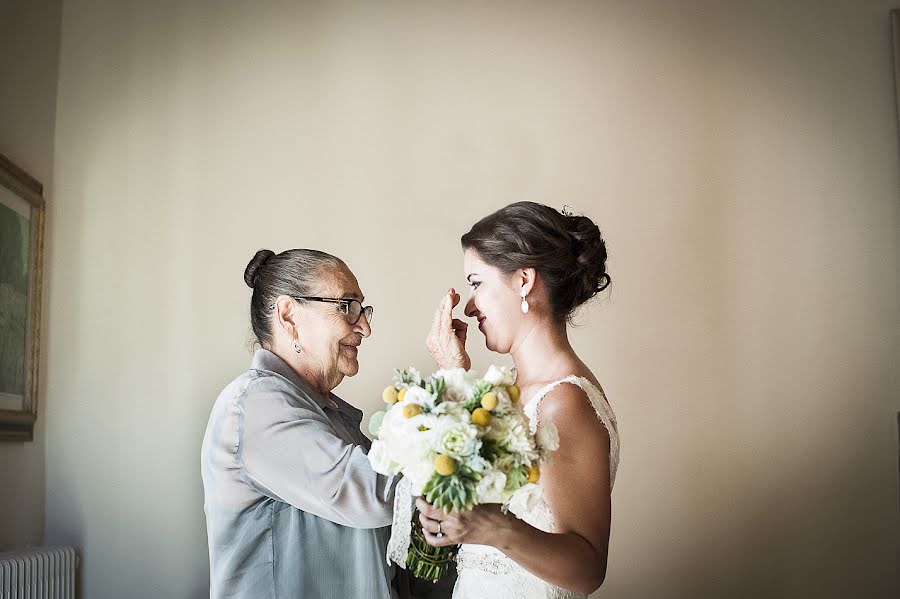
{"x":345,"y":304}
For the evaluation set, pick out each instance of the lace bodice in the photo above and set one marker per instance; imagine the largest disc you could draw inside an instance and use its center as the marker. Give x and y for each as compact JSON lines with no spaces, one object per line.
{"x":487,"y":572}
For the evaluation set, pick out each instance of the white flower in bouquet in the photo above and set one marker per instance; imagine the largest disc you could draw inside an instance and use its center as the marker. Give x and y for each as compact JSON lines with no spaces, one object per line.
{"x":419,"y":472}
{"x":477,"y":463}
{"x":512,"y":434}
{"x":380,"y":458}
{"x":501,"y":376}
{"x":491,"y":487}
{"x":525,"y":499}
{"x":456,"y":438}
{"x":418,"y":395}
{"x":405,"y":441}
{"x":460,"y":382}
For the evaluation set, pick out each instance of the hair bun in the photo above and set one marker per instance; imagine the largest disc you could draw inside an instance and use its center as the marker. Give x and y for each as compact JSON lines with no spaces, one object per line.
{"x":251,"y":273}
{"x":589,"y":253}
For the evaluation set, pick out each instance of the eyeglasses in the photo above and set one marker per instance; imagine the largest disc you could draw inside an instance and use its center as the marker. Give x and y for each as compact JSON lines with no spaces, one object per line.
{"x":351,"y":308}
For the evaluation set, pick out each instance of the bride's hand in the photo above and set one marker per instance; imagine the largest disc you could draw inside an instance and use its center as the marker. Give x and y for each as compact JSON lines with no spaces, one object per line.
{"x":446,"y":341}
{"x":482,"y":525}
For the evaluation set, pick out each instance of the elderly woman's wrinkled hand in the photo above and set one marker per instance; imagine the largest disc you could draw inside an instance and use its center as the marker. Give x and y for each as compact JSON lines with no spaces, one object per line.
{"x":446,"y":341}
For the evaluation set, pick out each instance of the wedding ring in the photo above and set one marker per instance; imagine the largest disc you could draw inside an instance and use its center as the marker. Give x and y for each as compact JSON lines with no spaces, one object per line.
{"x":439,"y":533}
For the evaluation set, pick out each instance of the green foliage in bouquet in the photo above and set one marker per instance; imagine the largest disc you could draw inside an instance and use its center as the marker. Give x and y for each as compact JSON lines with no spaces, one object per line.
{"x":454,"y":492}
{"x":436,"y":387}
{"x":516,"y":478}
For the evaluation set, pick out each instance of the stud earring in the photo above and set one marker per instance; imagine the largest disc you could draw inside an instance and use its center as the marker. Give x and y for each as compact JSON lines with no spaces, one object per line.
{"x":524,"y":304}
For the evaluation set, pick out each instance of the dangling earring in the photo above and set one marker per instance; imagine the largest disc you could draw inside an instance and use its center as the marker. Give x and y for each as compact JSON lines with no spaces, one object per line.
{"x":296,"y":347}
{"x":524,"y":303}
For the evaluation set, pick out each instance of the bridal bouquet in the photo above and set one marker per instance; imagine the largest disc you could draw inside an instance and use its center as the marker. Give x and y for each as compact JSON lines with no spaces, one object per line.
{"x":459,"y":440}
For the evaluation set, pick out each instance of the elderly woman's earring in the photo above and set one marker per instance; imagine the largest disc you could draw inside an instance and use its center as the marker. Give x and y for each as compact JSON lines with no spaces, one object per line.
{"x":524,"y":303}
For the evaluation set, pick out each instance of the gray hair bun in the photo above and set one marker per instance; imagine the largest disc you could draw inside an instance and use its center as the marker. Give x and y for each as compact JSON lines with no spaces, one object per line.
{"x":251,"y":273}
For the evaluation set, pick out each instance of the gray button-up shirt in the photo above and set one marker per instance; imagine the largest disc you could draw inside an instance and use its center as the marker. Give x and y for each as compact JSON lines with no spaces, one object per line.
{"x":293,"y":508}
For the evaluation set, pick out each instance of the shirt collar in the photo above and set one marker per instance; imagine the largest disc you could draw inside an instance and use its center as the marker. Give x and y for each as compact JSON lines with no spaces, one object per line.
{"x":263,"y":359}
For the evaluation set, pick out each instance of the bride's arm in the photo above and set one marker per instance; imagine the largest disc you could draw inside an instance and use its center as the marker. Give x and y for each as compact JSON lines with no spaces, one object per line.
{"x":576,"y":488}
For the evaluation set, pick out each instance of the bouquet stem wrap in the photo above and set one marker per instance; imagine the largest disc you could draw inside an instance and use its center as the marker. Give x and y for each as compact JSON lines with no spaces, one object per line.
{"x":404,"y":504}
{"x":408,"y":547}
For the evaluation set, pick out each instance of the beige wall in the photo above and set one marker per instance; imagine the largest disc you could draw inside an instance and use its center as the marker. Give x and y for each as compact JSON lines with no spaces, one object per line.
{"x":29,"y":47}
{"x":741,"y":158}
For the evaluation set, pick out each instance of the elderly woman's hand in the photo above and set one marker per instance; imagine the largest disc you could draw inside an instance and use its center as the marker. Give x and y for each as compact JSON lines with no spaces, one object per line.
{"x":482,"y":525}
{"x":446,"y":341}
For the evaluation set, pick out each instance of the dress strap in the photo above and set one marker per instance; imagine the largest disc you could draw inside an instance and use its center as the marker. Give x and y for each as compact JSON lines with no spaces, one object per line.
{"x":601,"y":408}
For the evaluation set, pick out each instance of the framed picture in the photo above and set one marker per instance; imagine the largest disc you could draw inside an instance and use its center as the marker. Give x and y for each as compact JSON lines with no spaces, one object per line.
{"x":21,"y":264}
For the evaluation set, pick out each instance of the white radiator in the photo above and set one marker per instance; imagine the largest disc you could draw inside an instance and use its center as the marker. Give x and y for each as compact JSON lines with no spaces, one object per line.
{"x":38,"y":573}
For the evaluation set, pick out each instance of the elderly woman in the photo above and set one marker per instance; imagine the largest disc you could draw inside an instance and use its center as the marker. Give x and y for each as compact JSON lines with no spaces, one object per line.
{"x":293,"y":508}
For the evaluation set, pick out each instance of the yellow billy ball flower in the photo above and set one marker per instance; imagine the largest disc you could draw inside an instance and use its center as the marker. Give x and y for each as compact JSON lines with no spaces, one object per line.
{"x":534,"y":474}
{"x":481,"y":417}
{"x":390,"y":395}
{"x":444,"y":465}
{"x":489,"y":401}
{"x":514,"y":393}
{"x":402,"y":394}
{"x":411,"y":410}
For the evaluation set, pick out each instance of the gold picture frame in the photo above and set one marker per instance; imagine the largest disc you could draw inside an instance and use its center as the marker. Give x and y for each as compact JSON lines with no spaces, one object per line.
{"x":22,"y":214}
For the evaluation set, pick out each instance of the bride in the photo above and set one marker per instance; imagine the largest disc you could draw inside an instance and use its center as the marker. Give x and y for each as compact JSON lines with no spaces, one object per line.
{"x":529,"y":267}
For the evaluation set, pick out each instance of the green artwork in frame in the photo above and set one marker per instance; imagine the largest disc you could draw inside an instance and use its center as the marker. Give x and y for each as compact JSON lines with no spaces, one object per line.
{"x":14,"y":236}
{"x":21,"y":265}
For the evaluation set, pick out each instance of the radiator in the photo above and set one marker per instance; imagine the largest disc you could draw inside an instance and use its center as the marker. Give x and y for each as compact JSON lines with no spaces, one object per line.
{"x":38,"y":573}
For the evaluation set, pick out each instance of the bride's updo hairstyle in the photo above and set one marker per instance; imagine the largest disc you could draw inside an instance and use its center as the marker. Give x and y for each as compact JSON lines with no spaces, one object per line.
{"x":566,"y":250}
{"x":292,"y":272}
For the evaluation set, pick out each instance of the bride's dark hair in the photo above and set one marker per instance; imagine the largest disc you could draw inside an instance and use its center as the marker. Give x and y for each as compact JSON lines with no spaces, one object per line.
{"x":568,"y":251}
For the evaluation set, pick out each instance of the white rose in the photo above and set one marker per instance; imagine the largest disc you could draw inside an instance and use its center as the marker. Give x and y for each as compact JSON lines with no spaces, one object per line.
{"x":490,"y":487}
{"x":460,"y":383}
{"x":389,"y":424}
{"x":501,"y":376}
{"x":525,"y":499}
{"x":419,"y":473}
{"x":455,"y":377}
{"x":547,"y":437}
{"x":380,"y":458}
{"x":418,"y":395}
{"x":401,"y":435}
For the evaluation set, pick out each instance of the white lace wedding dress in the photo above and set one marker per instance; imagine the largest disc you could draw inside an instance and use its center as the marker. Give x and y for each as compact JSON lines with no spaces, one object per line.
{"x":485,"y":572}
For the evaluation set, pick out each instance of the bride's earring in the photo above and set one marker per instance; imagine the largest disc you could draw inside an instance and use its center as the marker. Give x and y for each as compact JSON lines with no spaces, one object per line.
{"x":524,"y":304}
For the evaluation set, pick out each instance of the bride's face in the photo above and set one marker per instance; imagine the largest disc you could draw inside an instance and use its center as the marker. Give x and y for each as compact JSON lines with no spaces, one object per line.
{"x":494,"y":301}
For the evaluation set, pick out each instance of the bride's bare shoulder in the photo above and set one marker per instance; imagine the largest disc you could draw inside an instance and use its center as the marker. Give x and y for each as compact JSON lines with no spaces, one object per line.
{"x":567,"y":402}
